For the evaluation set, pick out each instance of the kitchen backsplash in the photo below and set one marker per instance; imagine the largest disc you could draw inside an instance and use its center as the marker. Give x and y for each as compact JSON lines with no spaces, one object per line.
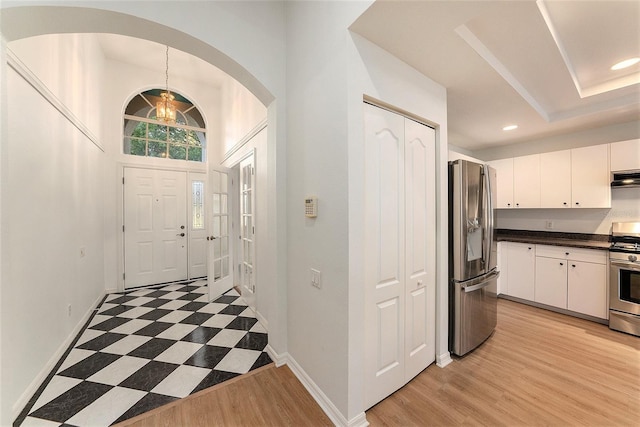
{"x":625,"y":207}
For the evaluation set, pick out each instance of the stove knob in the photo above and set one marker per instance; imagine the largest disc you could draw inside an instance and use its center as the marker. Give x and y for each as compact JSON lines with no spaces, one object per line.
{"x":633,"y":258}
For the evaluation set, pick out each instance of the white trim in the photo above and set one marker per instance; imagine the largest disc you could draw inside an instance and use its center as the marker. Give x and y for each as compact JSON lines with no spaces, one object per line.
{"x":14,"y":62}
{"x":253,"y":132}
{"x":467,"y":35}
{"x":263,"y":321}
{"x":321,"y":399}
{"x":278,"y":359}
{"x":443,"y":359}
{"x":22,"y":401}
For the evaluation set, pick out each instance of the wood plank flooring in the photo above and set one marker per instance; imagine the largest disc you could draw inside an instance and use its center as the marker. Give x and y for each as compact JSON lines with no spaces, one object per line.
{"x":538,"y":368}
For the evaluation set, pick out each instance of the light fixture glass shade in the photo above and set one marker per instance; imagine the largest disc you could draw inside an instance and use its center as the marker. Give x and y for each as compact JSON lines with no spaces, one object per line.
{"x":165,"y":110}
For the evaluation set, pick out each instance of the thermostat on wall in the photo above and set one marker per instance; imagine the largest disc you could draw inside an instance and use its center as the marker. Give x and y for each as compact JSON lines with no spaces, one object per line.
{"x":311,"y":207}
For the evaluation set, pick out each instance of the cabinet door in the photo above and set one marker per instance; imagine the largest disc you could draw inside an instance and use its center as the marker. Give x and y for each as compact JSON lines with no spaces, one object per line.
{"x":551,"y":282}
{"x":555,"y":179}
{"x":590,"y":180}
{"x":504,"y":178}
{"x":587,"y":288}
{"x":503,"y":279}
{"x":625,"y":155}
{"x":526,"y":181}
{"x":521,"y":265}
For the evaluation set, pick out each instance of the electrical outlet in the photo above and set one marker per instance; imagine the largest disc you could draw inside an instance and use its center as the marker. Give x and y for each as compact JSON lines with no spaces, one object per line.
{"x":316,"y":278}
{"x":69,"y":310}
{"x":549,"y":225}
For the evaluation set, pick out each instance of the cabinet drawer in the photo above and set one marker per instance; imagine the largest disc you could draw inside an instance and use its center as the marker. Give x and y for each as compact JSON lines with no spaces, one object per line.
{"x":577,"y":254}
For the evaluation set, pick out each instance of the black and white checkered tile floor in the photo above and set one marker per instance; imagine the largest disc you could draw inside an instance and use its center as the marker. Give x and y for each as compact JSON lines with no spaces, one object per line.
{"x":147,"y":348}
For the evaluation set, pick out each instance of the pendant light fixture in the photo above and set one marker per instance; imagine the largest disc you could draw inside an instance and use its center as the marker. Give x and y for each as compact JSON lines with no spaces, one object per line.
{"x":165,"y":109}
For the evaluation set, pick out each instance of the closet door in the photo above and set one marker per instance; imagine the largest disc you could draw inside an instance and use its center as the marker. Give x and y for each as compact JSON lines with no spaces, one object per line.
{"x":420,"y":220}
{"x":384,"y":253}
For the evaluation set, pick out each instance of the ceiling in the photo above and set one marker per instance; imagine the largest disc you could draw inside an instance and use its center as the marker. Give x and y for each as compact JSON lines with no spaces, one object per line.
{"x":151,"y":55}
{"x":543,"y":65}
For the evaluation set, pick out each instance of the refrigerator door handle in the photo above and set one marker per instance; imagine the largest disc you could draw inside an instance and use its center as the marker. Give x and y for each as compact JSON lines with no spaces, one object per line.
{"x":488,"y":214}
{"x":480,"y":282}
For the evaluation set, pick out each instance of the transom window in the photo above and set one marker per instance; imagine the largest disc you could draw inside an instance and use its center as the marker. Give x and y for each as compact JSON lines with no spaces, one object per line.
{"x":145,"y":135}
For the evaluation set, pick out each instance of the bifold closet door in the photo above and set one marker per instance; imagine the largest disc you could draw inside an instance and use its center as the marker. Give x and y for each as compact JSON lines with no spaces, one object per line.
{"x":399,"y":251}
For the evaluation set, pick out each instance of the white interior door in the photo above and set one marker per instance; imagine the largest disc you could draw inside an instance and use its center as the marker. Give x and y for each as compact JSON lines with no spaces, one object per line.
{"x":420,"y":272}
{"x":155,"y":222}
{"x":220,"y":274}
{"x":384,"y":253}
{"x":197,"y":225}
{"x":247,"y":230}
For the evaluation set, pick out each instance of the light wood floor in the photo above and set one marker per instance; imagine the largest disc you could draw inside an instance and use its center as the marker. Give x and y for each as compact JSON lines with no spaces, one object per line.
{"x":538,"y":368}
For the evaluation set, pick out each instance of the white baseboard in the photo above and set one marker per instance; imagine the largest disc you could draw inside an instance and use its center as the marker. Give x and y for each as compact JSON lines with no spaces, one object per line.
{"x":53,"y":360}
{"x":318,"y":395}
{"x":263,"y":320}
{"x":278,"y":359}
{"x":111,"y":291}
{"x":443,"y":359}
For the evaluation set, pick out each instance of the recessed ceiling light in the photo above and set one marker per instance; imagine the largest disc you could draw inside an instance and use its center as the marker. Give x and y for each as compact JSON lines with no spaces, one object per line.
{"x":625,"y":64}
{"x":510,"y":127}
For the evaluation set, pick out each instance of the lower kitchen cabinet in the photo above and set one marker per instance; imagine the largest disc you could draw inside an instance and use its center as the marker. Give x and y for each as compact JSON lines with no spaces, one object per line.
{"x":521,"y":264}
{"x":587,"y":288}
{"x":551,"y":282}
{"x":567,"y":278}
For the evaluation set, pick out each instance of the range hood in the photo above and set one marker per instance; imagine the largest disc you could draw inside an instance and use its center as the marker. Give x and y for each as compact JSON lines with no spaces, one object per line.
{"x":625,"y":179}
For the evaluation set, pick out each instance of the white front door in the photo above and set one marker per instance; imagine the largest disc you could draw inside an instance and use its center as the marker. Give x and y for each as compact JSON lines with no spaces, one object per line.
{"x":197,"y":226}
{"x":155,"y":233}
{"x":247,"y":230}
{"x":220,"y":274}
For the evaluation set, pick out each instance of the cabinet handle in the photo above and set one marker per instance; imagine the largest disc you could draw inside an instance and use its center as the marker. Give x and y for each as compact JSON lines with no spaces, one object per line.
{"x":508,"y":204}
{"x":573,"y":265}
{"x":577,"y":203}
{"x":565,"y":203}
{"x":529,"y":247}
{"x":566,"y":253}
{"x":561,"y":263}
{"x":517,"y":204}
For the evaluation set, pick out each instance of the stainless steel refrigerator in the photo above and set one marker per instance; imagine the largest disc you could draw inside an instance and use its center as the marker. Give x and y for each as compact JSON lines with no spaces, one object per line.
{"x":472,"y":255}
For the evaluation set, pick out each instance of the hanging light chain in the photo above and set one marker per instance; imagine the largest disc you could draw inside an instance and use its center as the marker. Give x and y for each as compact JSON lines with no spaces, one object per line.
{"x":167,"y":71}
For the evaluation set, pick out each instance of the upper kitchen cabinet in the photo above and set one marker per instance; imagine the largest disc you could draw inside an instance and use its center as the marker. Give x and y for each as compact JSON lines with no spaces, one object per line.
{"x":526,"y":181}
{"x":625,"y":155}
{"x":504,"y":174}
{"x":555,"y":179}
{"x":590,"y":180}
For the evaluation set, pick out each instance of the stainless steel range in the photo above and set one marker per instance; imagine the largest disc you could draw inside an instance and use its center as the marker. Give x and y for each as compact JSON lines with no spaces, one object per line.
{"x":624,"y":279}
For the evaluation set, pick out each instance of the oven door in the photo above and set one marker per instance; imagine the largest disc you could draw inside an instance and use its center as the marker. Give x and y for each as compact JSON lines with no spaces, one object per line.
{"x":624,"y":286}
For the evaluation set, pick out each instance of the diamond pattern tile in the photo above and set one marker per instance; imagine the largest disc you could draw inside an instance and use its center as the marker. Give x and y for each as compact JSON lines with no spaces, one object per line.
{"x":147,"y":348}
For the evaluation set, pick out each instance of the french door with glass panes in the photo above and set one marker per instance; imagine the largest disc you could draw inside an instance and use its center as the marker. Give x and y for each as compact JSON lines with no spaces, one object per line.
{"x":247,"y":230}
{"x":220,"y":277}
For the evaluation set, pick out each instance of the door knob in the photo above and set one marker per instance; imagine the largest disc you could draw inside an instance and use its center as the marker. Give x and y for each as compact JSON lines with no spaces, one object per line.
{"x":210,"y":238}
{"x":180,"y":234}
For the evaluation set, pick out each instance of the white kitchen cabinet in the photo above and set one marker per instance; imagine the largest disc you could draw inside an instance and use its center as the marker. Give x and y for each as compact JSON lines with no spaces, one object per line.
{"x":551,"y":282}
{"x":521,"y":259}
{"x":503,"y":268}
{"x":555,"y":179}
{"x":504,"y":174}
{"x":587,"y":288}
{"x":590,"y":179}
{"x":526,"y":181}
{"x":625,"y":155}
{"x":572,"y":278}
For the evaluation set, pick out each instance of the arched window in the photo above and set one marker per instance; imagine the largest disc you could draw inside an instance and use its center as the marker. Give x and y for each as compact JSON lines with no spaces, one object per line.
{"x":145,"y":135}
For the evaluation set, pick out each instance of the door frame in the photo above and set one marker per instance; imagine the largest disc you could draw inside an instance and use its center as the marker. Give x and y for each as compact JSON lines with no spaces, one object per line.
{"x":120,"y":166}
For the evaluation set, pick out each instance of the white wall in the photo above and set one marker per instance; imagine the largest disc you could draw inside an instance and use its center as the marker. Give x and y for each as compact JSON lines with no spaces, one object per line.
{"x":52,"y":186}
{"x":376,"y":73}
{"x":242,"y":112}
{"x":625,"y":207}
{"x":595,"y":136}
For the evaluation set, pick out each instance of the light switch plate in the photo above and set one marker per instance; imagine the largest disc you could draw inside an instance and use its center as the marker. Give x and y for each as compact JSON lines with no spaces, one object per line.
{"x":316,"y":277}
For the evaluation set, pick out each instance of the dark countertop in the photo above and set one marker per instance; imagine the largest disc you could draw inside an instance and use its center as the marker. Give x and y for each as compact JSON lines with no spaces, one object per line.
{"x":554,"y":238}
